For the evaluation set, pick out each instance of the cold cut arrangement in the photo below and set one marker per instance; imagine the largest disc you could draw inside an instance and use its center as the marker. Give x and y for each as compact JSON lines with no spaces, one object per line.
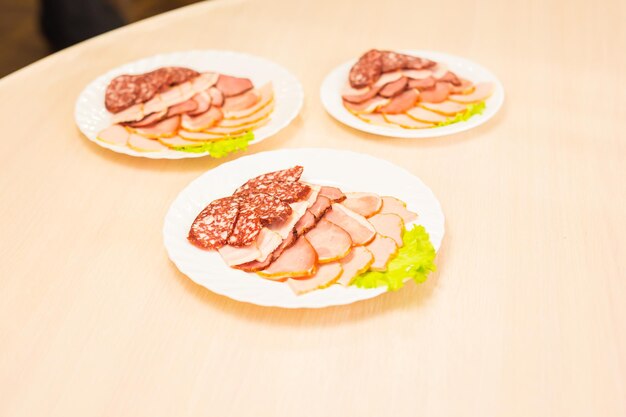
{"x":403,"y":91}
{"x":180,"y":109}
{"x":312,"y":236}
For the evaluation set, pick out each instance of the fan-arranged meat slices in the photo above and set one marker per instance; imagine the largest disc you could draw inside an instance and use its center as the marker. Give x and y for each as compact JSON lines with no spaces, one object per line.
{"x":305,"y":223}
{"x":365,"y":204}
{"x":389,"y":225}
{"x":299,"y":260}
{"x":234,"y":255}
{"x":325,"y":276}
{"x":360,"y":230}
{"x":355,"y":263}
{"x":383,"y":248}
{"x":330,"y":241}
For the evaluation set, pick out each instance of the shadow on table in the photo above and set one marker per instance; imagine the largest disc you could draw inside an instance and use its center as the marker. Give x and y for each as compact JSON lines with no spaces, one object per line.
{"x":410,"y":297}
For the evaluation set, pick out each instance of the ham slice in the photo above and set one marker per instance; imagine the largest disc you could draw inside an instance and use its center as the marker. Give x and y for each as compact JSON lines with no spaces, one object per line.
{"x":361,"y":95}
{"x":266,"y":93}
{"x":439,"y":70}
{"x":285,"y":227}
{"x":389,"y":225}
{"x":334,"y":194}
{"x":368,"y":106}
{"x":417,"y":74}
{"x":360,"y":230}
{"x":330,"y":241}
{"x":267,"y":242}
{"x":401,"y":102}
{"x":234,"y":255}
{"x":377,"y":119}
{"x":480,"y":93}
{"x":233,"y":86}
{"x":325,"y":276}
{"x":395,"y":206}
{"x":406,"y":122}
{"x":448,"y":108}
{"x":423,"y":83}
{"x":354,"y":264}
{"x":365,"y":204}
{"x":386,"y":78}
{"x":465,"y":87}
{"x":241,"y":102}
{"x":394,"y":88}
{"x":115,"y":135}
{"x":200,"y":136}
{"x":253,"y":118}
{"x":436,"y":94}
{"x":143,"y":144}
{"x":383,"y":248}
{"x":422,"y":115}
{"x":450,"y":77}
{"x":237,"y":130}
{"x":320,"y":206}
{"x":306,"y":223}
{"x":176,"y":141}
{"x":300,"y":260}
{"x":181,"y":108}
{"x":150,"y":119}
{"x":203,"y":121}
{"x":163,"y":129}
{"x":217,"y":97}
{"x":203,"y":100}
{"x":134,"y":114}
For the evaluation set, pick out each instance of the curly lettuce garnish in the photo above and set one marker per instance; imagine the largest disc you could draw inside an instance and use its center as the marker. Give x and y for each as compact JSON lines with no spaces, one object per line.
{"x":220,"y":148}
{"x":471,"y":110}
{"x":415,"y":260}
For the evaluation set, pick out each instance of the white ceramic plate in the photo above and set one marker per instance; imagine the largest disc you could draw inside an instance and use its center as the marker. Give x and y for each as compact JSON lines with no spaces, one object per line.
{"x":335,"y":82}
{"x":91,"y":115}
{"x":348,"y":170}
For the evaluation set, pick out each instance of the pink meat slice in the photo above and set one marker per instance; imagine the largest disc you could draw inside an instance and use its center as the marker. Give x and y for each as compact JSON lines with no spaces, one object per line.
{"x":184,"y":107}
{"x":480,"y":93}
{"x":330,"y":241}
{"x":334,"y":194}
{"x":362,"y":97}
{"x":320,"y":206}
{"x":436,"y":94}
{"x":300,"y":260}
{"x":203,"y":101}
{"x":241,"y":101}
{"x":166,"y":127}
{"x":423,"y":115}
{"x":360,"y":230}
{"x":423,"y":83}
{"x":406,"y":122}
{"x":368,"y":106}
{"x":255,"y":266}
{"x":365,"y":204}
{"x":355,"y":263}
{"x":306,"y":223}
{"x":233,"y":255}
{"x":383,"y":248}
{"x":217,"y":97}
{"x":401,"y":103}
{"x":150,"y":119}
{"x":465,"y":87}
{"x":233,"y":86}
{"x":451,"y":78}
{"x":394,"y":88}
{"x":325,"y":276}
{"x":202,"y":121}
{"x":395,"y":206}
{"x":114,"y":134}
{"x":389,"y":225}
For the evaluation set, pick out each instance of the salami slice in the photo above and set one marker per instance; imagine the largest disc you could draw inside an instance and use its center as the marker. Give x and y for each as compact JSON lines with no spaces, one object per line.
{"x":246,"y":229}
{"x":289,"y":174}
{"x":288,"y":191}
{"x":367,"y":69}
{"x":214,"y":224}
{"x":267,"y":208}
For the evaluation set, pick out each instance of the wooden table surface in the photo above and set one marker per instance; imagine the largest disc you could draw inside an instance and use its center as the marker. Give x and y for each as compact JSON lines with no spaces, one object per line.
{"x":525,"y":317}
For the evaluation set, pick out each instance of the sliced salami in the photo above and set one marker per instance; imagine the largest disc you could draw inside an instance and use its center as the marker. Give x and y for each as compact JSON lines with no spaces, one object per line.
{"x":246,"y":229}
{"x":288,"y":191}
{"x":267,"y":208}
{"x":214,"y":224}
{"x":367,"y":69}
{"x":289,"y":174}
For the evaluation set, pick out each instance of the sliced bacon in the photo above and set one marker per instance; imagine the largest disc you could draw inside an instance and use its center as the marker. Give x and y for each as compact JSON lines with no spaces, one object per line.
{"x":325,"y":276}
{"x":334,"y":194}
{"x":234,"y":255}
{"x":401,"y":102}
{"x":354,"y":264}
{"x":436,"y":94}
{"x":389,"y":225}
{"x":330,"y":241}
{"x":306,"y":223}
{"x":203,"y":101}
{"x":320,"y":206}
{"x":365,"y":204}
{"x":286,"y":226}
{"x":394,"y":88}
{"x":185,"y":107}
{"x":114,"y":134}
{"x":395,"y":206}
{"x":360,"y":230}
{"x":383,"y":248}
{"x":387,"y":78}
{"x":233,"y":86}
{"x":255,"y":266}
{"x":300,"y":260}
{"x":267,"y":242}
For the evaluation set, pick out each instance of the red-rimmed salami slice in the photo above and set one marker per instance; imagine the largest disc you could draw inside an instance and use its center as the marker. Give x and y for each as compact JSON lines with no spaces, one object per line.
{"x":266,"y":207}
{"x":289,"y":174}
{"x":214,"y":224}
{"x":246,"y":229}
{"x":289,"y":191}
{"x":367,"y":69}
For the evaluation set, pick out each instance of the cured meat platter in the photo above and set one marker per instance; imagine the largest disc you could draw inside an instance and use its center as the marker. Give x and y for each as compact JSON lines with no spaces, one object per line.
{"x":304,"y":228}
{"x":411,"y":94}
{"x":188,"y":104}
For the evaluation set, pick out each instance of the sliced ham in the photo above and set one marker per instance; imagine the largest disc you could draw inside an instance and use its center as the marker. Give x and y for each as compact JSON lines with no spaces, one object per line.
{"x":171,"y":97}
{"x":203,"y":121}
{"x":394,"y":88}
{"x":300,"y":260}
{"x":417,"y":74}
{"x":481,"y":92}
{"x":422,"y":115}
{"x":234,"y":255}
{"x":233,"y":131}
{"x":217,"y":97}
{"x":233,"y":86}
{"x":285,"y":227}
{"x":439,"y":70}
{"x":389,"y":225}
{"x":407,"y":122}
{"x":330,"y":241}
{"x":334,"y":194}
{"x":401,"y":102}
{"x":377,"y":119}
{"x":436,"y":94}
{"x":387,"y":78}
{"x":450,"y":77}
{"x":150,"y":119}
{"x":200,"y":136}
{"x":361,"y":95}
{"x":306,"y":223}
{"x":365,"y":204}
{"x":253,"y":118}
{"x":320,"y":206}
{"x":311,"y":198}
{"x":185,"y":107}
{"x":255,"y":266}
{"x":241,"y":102}
{"x":177,"y":141}
{"x":465,"y":87}
{"x":360,"y":230}
{"x":267,"y":242}
{"x":163,"y":129}
{"x":134,"y":114}
{"x":354,"y":264}
{"x":143,"y":144}
{"x":448,"y":108}
{"x":383,"y":248}
{"x":266,"y":93}
{"x":423,"y":84}
{"x":368,"y":106}
{"x":325,"y":276}
{"x":203,"y":101}
{"x":115,"y":135}
{"x":395,"y":206}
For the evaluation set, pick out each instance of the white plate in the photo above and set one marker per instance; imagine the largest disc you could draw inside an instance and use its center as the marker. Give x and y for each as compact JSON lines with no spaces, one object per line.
{"x":91,"y":115}
{"x":348,"y":170}
{"x":335,"y":82}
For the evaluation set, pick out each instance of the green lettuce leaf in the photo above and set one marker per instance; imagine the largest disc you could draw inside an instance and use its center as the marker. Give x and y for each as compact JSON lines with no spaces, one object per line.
{"x":472,"y":110}
{"x":220,"y":148}
{"x":415,"y":260}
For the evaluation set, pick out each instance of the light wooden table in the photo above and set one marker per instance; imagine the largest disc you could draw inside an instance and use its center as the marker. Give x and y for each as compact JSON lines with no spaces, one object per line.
{"x":526,"y":316}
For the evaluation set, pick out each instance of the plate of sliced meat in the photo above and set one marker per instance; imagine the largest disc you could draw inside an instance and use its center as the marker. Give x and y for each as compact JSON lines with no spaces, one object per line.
{"x":411,"y":94}
{"x":304,"y":228}
{"x":188,"y":104}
